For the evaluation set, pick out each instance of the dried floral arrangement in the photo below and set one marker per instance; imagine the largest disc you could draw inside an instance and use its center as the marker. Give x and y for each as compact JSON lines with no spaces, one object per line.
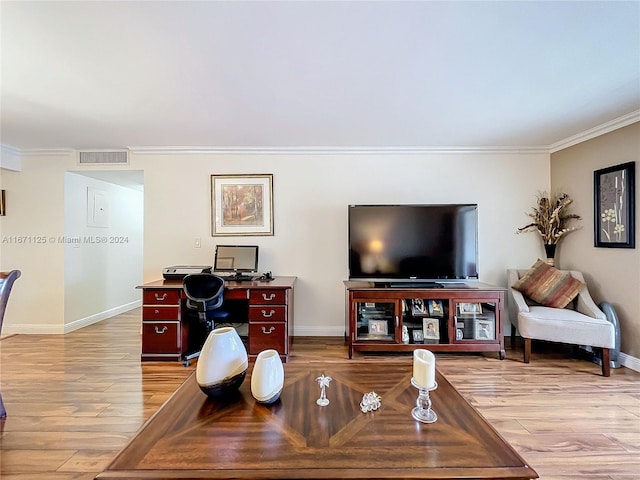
{"x":550,"y":218}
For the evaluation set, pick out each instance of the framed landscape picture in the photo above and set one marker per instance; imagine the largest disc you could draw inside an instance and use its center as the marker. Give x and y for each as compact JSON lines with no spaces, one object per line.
{"x":241,"y":205}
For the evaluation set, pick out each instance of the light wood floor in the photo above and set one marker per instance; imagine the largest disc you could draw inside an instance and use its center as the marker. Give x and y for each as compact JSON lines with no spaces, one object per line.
{"x":74,"y":400}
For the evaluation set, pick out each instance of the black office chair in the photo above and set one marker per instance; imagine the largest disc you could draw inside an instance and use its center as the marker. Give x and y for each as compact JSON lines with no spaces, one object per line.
{"x":204,"y":293}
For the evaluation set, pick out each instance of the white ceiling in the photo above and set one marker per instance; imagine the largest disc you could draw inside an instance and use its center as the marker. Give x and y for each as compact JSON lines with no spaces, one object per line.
{"x":327,"y":74}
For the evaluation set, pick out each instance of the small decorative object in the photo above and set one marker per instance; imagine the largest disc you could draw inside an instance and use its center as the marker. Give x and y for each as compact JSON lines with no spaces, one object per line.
{"x":223,"y":363}
{"x":435,"y":308}
{"x":469,"y":308}
{"x":459,"y":334}
{"x":431,"y":329}
{"x":378,"y":327}
{"x":370,"y":401}
{"x":484,"y":329}
{"x":267,"y":378}
{"x":424,"y":379}
{"x":323,"y":382}
{"x":418,"y":336}
{"x":418,"y":307}
{"x":614,"y":225}
{"x":551,"y":221}
{"x":405,"y":334}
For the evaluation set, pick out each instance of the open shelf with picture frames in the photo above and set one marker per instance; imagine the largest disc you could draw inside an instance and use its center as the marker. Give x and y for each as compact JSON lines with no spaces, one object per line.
{"x":461,"y":317}
{"x":475,"y":321}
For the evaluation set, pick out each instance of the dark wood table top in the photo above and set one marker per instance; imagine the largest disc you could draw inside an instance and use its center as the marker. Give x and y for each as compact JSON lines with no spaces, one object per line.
{"x":277,"y":282}
{"x":193,"y":436}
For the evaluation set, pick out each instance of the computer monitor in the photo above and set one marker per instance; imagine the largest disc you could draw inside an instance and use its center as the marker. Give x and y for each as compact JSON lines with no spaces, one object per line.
{"x":237,"y":260}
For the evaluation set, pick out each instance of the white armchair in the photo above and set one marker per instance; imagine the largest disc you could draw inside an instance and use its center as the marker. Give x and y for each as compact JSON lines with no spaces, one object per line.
{"x":580,"y":323}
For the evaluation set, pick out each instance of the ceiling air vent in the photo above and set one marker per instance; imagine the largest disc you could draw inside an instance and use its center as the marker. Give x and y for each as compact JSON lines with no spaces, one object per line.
{"x":103,"y":157}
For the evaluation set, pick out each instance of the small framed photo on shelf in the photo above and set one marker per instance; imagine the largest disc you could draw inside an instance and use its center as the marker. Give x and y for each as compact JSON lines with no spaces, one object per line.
{"x":418,"y":336}
{"x":431,"y":328}
{"x":435,"y":308}
{"x":378,"y":327}
{"x":485,"y":330}
{"x":418,"y":307}
{"x":469,"y":308}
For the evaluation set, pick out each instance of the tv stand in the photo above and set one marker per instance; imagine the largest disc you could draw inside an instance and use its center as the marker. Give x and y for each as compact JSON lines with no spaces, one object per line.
{"x":403,"y":316}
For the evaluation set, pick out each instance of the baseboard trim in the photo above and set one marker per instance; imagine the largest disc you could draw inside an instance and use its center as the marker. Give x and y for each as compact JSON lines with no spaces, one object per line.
{"x":318,"y":331}
{"x":630,"y":362}
{"x":40,"y":329}
{"x":98,"y":317}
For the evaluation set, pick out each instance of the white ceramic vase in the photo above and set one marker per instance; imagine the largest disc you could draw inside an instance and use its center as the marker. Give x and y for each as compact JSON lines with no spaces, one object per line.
{"x":223,"y":362}
{"x":267,"y":378}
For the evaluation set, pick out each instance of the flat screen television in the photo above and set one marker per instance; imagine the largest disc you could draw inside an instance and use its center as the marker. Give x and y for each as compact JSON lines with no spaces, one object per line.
{"x":413,"y":242}
{"x":237,"y":260}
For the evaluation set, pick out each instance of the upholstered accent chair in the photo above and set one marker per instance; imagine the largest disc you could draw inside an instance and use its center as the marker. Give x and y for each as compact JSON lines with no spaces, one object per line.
{"x":581,"y":322}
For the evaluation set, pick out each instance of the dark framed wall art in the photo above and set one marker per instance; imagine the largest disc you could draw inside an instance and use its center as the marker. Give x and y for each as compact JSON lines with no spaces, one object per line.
{"x":614,"y":206}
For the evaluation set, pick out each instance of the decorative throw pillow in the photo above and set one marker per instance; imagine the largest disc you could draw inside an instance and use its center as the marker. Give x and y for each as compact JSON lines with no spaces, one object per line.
{"x":548,"y":286}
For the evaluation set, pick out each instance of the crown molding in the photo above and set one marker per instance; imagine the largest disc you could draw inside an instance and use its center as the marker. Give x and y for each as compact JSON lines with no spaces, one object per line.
{"x":334,"y":150}
{"x":10,"y":158}
{"x":607,"y":127}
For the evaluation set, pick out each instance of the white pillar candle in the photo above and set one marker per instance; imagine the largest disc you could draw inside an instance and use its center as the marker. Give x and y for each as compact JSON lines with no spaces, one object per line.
{"x":424,"y":368}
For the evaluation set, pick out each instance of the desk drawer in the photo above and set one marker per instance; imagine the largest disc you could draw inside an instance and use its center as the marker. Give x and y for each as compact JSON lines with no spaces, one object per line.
{"x":269,"y":313}
{"x":267,"y":297}
{"x":161,"y":337}
{"x":264,"y":336}
{"x":160,"y":313}
{"x":159,"y":296}
{"x":236,"y":294}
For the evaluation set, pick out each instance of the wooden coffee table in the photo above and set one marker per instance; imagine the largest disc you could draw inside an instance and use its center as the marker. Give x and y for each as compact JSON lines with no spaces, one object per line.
{"x":192,"y":436}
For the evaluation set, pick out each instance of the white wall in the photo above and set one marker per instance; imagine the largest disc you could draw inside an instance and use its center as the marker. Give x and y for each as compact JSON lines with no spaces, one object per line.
{"x":311,"y":195}
{"x":613,"y":274}
{"x":35,"y":215}
{"x":96,"y":284}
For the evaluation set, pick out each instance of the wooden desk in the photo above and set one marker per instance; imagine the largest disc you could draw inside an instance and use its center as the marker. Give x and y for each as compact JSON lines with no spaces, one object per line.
{"x":265,"y":307}
{"x":192,"y":436}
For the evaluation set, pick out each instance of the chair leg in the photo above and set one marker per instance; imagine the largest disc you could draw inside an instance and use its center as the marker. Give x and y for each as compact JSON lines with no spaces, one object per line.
{"x":605,"y":356}
{"x":527,"y":350}
{"x":513,"y":336}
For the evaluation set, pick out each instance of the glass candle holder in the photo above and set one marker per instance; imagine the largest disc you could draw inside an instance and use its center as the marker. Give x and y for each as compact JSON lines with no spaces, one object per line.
{"x":422,"y":411}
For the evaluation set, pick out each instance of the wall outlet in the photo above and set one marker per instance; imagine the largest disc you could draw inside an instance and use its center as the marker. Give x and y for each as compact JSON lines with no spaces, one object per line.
{"x":197,"y":243}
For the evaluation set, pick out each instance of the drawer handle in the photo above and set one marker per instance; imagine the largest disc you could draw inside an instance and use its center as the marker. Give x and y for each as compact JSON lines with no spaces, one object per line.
{"x":160,"y":298}
{"x":271,"y":329}
{"x":156,"y":311}
{"x":270,"y":314}
{"x":164,"y":329}
{"x":269,"y":298}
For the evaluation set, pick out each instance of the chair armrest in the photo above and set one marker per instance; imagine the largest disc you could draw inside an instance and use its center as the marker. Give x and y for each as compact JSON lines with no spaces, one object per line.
{"x":521,"y":304}
{"x":513,"y":277}
{"x":586,"y":305}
